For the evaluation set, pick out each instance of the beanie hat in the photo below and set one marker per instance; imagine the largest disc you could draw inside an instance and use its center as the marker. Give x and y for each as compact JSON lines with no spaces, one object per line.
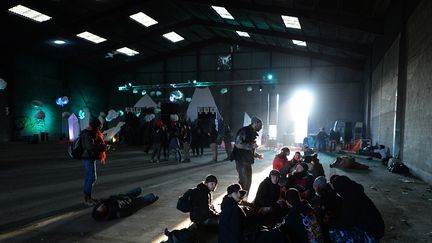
{"x":211,"y":178}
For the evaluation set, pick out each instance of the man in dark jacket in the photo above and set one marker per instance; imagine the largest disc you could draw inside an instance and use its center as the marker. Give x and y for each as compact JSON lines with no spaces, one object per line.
{"x":358,"y":213}
{"x":268,"y":191}
{"x":213,"y":136}
{"x":94,"y":149}
{"x":232,"y":217}
{"x":122,"y":205}
{"x":244,"y":151}
{"x":203,"y":212}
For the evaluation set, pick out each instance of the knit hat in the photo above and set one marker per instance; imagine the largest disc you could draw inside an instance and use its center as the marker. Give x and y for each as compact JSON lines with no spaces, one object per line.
{"x":211,"y":178}
{"x":255,"y":119}
{"x":274,"y":172}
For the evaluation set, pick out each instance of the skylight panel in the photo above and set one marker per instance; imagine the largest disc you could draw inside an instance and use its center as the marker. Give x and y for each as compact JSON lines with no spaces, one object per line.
{"x":143,"y":19}
{"x":223,"y":12}
{"x":299,"y":43}
{"x":91,"y":37}
{"x":29,"y":13}
{"x":173,"y":36}
{"x":242,"y":33}
{"x":291,"y":22}
{"x":127,"y":51}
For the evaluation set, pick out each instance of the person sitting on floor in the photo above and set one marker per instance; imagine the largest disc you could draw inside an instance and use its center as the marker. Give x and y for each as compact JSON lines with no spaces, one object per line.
{"x":232,"y":217}
{"x":267,"y":197}
{"x":317,"y":168}
{"x":297,"y":158}
{"x":302,"y":181}
{"x":203,"y":212}
{"x":359,"y":218}
{"x":122,"y":205}
{"x":328,"y":204}
{"x":300,"y":224}
{"x":282,"y":164}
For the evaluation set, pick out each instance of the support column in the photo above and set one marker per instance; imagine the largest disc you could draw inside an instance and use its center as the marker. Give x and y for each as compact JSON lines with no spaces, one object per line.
{"x":399,"y":124}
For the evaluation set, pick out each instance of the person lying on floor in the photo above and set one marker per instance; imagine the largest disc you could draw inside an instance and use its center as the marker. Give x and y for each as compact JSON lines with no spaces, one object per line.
{"x":122,"y":205}
{"x":359,"y":219}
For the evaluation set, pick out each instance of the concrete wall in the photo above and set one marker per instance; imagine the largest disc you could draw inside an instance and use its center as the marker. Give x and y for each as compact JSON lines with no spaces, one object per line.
{"x":418,"y":112}
{"x":337,"y":90}
{"x":383,"y":97}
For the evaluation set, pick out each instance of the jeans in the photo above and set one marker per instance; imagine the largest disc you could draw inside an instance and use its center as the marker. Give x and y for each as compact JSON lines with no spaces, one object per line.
{"x":90,"y":175}
{"x":244,"y":170}
{"x":141,"y":200}
{"x":186,"y":148}
{"x":213,"y":147}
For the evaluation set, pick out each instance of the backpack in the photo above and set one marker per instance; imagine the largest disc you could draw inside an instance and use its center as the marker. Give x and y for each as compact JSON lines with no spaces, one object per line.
{"x":76,"y":149}
{"x":184,"y":202}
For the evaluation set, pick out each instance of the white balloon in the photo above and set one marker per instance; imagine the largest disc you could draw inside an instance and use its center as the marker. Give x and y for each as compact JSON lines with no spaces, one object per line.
{"x":174,"y":117}
{"x":66,"y":114}
{"x":149,"y":117}
{"x":3,"y":84}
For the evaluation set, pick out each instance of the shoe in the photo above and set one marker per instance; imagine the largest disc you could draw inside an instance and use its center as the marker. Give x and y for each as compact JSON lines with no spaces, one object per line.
{"x":91,"y":201}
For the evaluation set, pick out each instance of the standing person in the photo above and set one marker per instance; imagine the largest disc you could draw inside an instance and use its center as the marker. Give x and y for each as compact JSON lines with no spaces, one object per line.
{"x":94,"y":149}
{"x":203,"y":212}
{"x":213,"y":142}
{"x":232,"y":217}
{"x":244,"y":151}
{"x":186,"y":139}
{"x":227,"y":138}
{"x":157,"y":137}
{"x":321,"y":138}
{"x":333,"y":137}
{"x":165,"y":141}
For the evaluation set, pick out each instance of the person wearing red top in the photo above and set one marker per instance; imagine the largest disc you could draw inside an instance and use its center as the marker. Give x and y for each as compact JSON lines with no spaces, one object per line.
{"x":281,"y":159}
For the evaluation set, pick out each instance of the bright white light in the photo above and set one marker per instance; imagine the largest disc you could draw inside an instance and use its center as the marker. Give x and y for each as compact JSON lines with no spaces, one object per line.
{"x":299,"y":43}
{"x":91,"y":37}
{"x":291,"y":22}
{"x":241,"y":33}
{"x":173,"y":36}
{"x":223,"y":12}
{"x":143,"y":19}
{"x":59,"y":42}
{"x":127,"y":51}
{"x":273,"y":131}
{"x":29,"y":13}
{"x":301,"y":104}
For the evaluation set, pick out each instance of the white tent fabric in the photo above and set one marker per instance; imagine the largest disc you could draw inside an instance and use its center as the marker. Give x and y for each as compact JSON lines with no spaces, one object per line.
{"x":145,"y":101}
{"x":246,"y":120}
{"x":201,"y":97}
{"x":110,"y":133}
{"x":73,"y":127}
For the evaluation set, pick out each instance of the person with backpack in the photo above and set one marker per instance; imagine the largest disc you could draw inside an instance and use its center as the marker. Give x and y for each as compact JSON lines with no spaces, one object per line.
{"x":203,"y":212}
{"x":94,"y":148}
{"x":198,"y":202}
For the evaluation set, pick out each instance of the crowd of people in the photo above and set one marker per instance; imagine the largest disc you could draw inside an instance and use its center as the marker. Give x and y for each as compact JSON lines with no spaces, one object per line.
{"x":295,"y":203}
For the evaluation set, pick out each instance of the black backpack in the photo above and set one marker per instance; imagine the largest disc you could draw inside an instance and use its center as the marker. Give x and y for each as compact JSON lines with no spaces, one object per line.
{"x":184,"y":202}
{"x":76,"y":149}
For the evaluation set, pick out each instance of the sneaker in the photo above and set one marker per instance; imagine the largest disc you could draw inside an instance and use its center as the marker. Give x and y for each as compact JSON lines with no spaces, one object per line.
{"x":91,"y":201}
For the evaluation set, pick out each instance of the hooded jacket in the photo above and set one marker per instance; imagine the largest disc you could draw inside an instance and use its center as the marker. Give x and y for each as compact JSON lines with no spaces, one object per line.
{"x":202,"y":204}
{"x":231,"y":222}
{"x":267,"y":194}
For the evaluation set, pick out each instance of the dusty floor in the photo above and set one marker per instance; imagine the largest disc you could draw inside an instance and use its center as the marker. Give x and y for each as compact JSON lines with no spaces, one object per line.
{"x":41,"y":199}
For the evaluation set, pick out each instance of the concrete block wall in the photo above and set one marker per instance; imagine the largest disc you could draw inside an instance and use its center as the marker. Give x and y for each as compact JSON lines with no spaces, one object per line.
{"x":418,"y":112}
{"x":383,"y":97}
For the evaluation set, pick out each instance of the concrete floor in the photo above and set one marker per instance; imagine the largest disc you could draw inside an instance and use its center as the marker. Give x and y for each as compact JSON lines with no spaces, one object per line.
{"x":41,"y":195}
